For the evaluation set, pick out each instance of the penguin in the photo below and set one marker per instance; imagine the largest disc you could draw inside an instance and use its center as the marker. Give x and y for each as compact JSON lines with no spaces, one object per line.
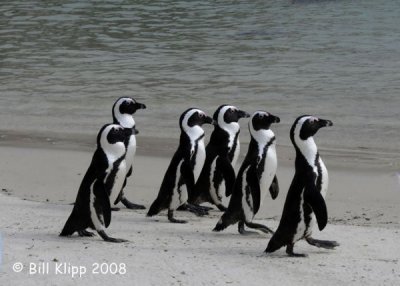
{"x":305,"y":201}
{"x":122,"y":113}
{"x":256,"y":176}
{"x":222,"y":153}
{"x":104,"y":178}
{"x":185,"y":166}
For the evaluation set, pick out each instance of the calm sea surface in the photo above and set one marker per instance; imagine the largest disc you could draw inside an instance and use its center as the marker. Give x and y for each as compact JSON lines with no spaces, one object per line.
{"x":63,"y":63}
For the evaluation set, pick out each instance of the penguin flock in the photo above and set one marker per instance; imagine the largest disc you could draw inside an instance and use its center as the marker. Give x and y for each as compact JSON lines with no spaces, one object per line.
{"x":198,"y":173}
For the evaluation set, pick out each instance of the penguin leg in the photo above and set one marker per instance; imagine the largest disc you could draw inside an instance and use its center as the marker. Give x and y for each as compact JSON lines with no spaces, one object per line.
{"x":327,"y":244}
{"x":242,"y":231}
{"x":85,"y":233}
{"x":131,"y":205}
{"x":221,"y":207}
{"x":108,"y":238}
{"x":172,"y":219}
{"x":289,"y":251}
{"x":115,"y":209}
{"x":260,"y":227}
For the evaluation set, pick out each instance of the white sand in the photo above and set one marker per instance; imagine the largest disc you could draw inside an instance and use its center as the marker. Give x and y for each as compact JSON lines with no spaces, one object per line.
{"x":160,"y":253}
{"x":362,"y":207}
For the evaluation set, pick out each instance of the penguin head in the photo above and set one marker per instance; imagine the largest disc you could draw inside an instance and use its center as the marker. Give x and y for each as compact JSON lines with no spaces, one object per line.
{"x":226,"y":114}
{"x":111,"y":140}
{"x":262,"y":120}
{"x":306,"y":126}
{"x":123,"y":109}
{"x":193,"y":119}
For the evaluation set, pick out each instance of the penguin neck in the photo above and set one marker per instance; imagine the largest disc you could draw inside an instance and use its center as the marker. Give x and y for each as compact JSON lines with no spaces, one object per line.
{"x":194,"y":134}
{"x":263,"y":137}
{"x":114,"y":151}
{"x":308,"y":149}
{"x":232,"y":129}
{"x":125,"y":120}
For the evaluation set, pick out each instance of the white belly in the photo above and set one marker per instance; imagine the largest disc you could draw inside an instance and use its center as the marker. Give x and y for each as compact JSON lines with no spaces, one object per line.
{"x":325,"y":178}
{"x":199,"y":160}
{"x":236,"y":153}
{"x":118,"y":182}
{"x":270,"y":166}
{"x":247,"y":206}
{"x":215,"y":194}
{"x":179,"y":194}
{"x":301,"y":227}
{"x":130,"y":152}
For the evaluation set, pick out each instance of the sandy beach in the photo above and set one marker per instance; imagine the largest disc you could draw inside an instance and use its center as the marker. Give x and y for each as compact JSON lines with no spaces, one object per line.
{"x":40,"y":181}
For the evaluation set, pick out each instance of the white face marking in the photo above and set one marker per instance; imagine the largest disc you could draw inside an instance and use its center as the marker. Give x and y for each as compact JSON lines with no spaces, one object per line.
{"x":262,"y":136}
{"x":194,"y":132}
{"x":307,"y":147}
{"x":232,"y":128}
{"x":125,"y":120}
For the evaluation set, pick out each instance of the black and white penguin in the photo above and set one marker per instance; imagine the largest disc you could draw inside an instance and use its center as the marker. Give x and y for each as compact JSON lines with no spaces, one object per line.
{"x":256,"y":176}
{"x":185,"y":166}
{"x":222,"y":153}
{"x":104,"y":177}
{"x":305,"y":203}
{"x":122,"y":111}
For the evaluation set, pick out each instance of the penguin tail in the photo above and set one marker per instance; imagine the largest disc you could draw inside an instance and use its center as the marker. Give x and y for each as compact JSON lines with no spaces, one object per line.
{"x":154,"y":208}
{"x":273,"y":244}
{"x":69,"y":228}
{"x":76,"y":221}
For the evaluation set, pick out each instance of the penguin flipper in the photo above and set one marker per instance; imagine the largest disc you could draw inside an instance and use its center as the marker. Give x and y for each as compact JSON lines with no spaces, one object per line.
{"x":274,"y":188}
{"x":314,"y":198}
{"x":102,"y":201}
{"x":254,"y":184}
{"x":228,"y":173}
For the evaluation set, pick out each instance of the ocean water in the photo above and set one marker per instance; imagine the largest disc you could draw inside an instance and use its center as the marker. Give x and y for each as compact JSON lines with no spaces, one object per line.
{"x":63,"y":64}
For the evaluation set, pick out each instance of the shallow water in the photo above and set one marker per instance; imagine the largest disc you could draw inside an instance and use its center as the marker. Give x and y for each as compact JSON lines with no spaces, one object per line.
{"x":63,"y":63}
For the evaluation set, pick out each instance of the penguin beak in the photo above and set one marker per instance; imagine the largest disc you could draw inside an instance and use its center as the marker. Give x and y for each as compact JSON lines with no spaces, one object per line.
{"x":209,"y":120}
{"x":243,"y":114}
{"x":324,"y":123}
{"x":140,"y":105}
{"x":276,"y":119}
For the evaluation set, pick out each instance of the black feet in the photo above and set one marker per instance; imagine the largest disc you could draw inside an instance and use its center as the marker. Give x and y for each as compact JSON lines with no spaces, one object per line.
{"x":242,"y":231}
{"x":131,"y":205}
{"x":289,"y":251}
{"x":196,"y":209}
{"x":85,"y":233}
{"x":259,"y":227}
{"x":327,"y":244}
{"x":115,"y":209}
{"x":222,"y":208}
{"x":110,"y":239}
{"x":172,"y":219}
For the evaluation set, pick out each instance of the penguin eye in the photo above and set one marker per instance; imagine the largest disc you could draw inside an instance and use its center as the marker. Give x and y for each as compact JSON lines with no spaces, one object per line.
{"x":201,"y":115}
